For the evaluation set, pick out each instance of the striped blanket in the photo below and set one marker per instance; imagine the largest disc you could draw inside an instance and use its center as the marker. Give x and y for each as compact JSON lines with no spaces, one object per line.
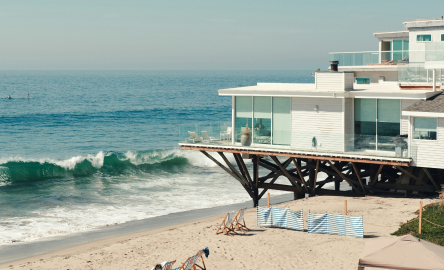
{"x":335,"y":224}
{"x":280,"y":217}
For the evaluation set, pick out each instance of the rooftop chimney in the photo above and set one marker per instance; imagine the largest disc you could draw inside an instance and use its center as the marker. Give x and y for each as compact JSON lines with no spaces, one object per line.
{"x":334,"y":65}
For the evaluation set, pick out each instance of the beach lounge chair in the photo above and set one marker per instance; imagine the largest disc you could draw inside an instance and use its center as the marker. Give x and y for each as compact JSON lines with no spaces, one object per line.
{"x":194,"y":138}
{"x":206,"y":138}
{"x":239,"y":221}
{"x":226,"y":134}
{"x":188,"y":264}
{"x":200,"y":255}
{"x":227,"y":225}
{"x":168,"y":265}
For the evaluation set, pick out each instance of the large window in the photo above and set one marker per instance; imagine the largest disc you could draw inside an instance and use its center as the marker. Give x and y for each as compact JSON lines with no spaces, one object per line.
{"x":268,"y":118}
{"x":262,"y":120}
{"x":424,"y":128}
{"x":377,"y":122}
{"x":423,"y":37}
{"x":243,"y":116}
{"x":281,"y":120}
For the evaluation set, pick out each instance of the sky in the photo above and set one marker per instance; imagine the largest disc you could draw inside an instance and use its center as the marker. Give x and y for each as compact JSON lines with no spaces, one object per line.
{"x":194,"y":34}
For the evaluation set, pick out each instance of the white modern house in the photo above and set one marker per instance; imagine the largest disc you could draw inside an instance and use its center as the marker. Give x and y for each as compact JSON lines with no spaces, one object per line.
{"x":383,"y":107}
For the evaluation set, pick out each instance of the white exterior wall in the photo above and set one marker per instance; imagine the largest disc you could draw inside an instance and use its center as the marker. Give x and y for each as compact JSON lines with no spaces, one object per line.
{"x":326,"y":125}
{"x":389,"y":76}
{"x":404,"y":118}
{"x":334,"y":80}
{"x":420,"y":45}
{"x":424,"y":152}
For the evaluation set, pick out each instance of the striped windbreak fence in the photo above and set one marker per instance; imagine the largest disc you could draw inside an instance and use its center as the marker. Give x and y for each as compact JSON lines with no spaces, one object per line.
{"x":280,"y":217}
{"x":335,"y":224}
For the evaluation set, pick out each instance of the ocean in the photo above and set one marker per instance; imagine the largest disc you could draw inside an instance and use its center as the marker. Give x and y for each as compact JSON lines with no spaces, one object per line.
{"x":90,"y":149}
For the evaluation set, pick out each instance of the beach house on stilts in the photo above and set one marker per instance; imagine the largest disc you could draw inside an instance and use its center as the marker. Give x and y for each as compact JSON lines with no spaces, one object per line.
{"x":373,"y":120}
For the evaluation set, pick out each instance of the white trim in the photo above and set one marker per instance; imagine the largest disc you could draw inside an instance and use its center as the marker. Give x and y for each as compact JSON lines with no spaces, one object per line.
{"x":343,"y":124}
{"x":423,"y":114}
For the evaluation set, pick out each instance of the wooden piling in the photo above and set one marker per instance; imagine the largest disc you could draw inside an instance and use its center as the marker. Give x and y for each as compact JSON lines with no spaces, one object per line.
{"x":345,"y":207}
{"x":268,"y":199}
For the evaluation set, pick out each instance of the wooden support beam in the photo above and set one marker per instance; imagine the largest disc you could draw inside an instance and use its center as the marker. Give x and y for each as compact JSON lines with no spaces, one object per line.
{"x":330,"y":172}
{"x":344,"y":177}
{"x":255,"y":179}
{"x":358,"y":175}
{"x":244,"y":168}
{"x":232,"y":168}
{"x":229,"y":172}
{"x":325,"y":157}
{"x":279,"y":187}
{"x":277,"y":170}
{"x":290,"y":178}
{"x":315,"y":177}
{"x":266,"y":189}
{"x":301,"y":176}
{"x":412,"y":176}
{"x":431,"y":178}
{"x":377,"y":175}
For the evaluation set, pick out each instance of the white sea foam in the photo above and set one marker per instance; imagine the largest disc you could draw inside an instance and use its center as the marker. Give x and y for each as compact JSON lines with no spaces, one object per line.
{"x":132,"y":199}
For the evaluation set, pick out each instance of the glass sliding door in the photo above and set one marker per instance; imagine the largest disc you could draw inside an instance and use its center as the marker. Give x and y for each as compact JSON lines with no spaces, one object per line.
{"x":365,"y":124}
{"x":389,"y":123}
{"x":281,"y":120}
{"x":243,"y":115}
{"x":377,"y":123}
{"x":262,"y":120}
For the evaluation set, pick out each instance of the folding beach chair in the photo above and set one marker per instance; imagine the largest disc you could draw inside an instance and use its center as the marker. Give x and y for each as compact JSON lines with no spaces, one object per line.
{"x":227,"y":225}
{"x":239,"y":221}
{"x":168,"y":265}
{"x":188,"y":264}
{"x":200,"y":255}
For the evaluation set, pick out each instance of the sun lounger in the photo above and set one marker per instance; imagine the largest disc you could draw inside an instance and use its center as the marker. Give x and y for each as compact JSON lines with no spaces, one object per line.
{"x":227,"y":225}
{"x":200,"y":255}
{"x":188,"y":264}
{"x":239,"y":221}
{"x":194,"y":138}
{"x":206,"y":138}
{"x":168,"y":265}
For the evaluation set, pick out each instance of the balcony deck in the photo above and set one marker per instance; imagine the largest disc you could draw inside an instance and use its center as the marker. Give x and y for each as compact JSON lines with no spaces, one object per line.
{"x":373,"y":157}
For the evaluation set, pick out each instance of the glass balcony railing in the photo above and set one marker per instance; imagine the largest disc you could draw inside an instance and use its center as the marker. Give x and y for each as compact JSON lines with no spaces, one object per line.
{"x":355,"y":58}
{"x":369,"y":58}
{"x":416,"y":73}
{"x":219,"y":134}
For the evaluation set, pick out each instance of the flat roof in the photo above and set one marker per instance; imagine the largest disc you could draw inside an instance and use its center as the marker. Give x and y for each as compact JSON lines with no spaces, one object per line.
{"x":386,"y":90}
{"x":392,"y":34}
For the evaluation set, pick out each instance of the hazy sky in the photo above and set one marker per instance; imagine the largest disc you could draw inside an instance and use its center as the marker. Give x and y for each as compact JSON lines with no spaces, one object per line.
{"x":196,"y":35}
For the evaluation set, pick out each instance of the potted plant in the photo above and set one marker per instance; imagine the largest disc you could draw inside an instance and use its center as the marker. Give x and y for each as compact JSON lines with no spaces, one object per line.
{"x":246,"y":136}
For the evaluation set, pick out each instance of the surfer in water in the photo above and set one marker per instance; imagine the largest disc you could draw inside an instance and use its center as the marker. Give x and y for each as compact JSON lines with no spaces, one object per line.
{"x":9,"y":97}
{"x":27,"y":97}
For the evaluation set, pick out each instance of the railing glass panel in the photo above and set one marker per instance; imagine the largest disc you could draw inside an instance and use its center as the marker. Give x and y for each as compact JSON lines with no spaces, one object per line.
{"x":355,"y":58}
{"x":345,"y":144}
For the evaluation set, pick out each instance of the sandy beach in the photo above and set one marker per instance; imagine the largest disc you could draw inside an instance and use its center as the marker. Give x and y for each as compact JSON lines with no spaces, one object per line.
{"x":262,"y":248}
